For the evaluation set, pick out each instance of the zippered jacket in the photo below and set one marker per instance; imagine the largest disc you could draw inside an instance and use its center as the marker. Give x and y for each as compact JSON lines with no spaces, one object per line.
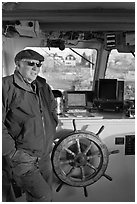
{"x":29,"y":118}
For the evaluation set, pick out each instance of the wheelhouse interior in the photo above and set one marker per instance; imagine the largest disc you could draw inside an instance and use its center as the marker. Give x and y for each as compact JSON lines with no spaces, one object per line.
{"x":82,"y":43}
{"x":89,"y":51}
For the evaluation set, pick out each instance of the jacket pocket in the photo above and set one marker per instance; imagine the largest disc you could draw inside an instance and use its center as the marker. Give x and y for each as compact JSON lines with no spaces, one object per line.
{"x":23,"y":163}
{"x":15,"y":120}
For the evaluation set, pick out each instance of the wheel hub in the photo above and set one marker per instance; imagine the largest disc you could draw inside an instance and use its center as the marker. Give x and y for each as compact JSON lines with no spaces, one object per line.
{"x":80,"y":160}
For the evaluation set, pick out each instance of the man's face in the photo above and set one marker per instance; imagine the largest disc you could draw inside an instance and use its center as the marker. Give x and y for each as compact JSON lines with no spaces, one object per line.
{"x":29,"y":69}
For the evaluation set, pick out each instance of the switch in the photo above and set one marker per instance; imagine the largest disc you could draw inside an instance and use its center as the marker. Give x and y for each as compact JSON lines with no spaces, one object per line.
{"x":119,"y":140}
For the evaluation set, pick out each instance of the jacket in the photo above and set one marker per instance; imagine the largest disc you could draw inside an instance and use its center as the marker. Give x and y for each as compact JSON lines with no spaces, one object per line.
{"x":29,"y":119}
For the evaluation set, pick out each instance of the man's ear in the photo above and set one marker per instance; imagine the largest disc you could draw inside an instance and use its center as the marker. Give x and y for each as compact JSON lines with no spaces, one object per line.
{"x":17,"y":65}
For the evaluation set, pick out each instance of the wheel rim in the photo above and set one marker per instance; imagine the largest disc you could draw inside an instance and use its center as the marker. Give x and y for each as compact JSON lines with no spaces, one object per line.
{"x":80,"y":159}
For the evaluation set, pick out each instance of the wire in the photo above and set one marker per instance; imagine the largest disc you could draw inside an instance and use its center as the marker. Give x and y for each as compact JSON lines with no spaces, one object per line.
{"x":82,"y":56}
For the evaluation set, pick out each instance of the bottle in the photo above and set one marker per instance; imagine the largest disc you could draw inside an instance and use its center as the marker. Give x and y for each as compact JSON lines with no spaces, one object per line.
{"x":59,"y":105}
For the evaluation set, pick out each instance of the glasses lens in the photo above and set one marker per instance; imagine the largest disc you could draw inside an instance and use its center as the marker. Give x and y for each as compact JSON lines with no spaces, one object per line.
{"x":38,"y":64}
{"x":33,"y":63}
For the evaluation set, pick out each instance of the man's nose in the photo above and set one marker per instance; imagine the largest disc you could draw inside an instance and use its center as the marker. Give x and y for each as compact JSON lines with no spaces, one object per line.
{"x":35,"y":68}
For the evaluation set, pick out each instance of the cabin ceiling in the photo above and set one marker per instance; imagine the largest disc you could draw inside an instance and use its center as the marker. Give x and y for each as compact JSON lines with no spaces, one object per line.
{"x":88,"y":16}
{"x":67,"y":5}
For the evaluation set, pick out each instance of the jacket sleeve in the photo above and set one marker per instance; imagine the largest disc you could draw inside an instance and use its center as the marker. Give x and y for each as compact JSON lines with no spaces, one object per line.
{"x":8,"y":143}
{"x":53,"y":106}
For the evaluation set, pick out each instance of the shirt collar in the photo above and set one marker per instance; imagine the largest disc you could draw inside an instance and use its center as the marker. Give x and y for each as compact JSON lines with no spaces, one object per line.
{"x":19,"y":80}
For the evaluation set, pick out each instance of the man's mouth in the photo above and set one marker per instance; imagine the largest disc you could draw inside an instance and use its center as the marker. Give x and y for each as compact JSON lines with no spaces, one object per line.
{"x":33,"y":73}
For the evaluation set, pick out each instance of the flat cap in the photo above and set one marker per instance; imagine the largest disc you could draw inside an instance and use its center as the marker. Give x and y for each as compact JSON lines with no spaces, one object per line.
{"x":28,"y":54}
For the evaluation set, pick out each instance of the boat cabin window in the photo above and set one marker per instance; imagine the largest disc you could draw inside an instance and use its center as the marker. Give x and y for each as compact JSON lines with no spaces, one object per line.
{"x":67,"y":70}
{"x":121,"y":66}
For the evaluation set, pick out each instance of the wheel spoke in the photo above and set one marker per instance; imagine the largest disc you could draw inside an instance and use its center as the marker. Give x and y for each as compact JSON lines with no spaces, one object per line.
{"x":69,"y":151}
{"x":94,"y":155}
{"x":66,"y":161}
{"x":68,"y":174}
{"x":82,"y":173}
{"x":87,"y":149}
{"x":78,"y":145}
{"x":91,"y":166}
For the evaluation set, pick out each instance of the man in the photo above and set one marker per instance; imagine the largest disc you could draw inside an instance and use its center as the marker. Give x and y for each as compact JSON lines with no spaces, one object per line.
{"x":29,"y":126}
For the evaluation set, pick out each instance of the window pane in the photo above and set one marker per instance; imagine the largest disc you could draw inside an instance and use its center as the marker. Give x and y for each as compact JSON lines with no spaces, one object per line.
{"x":121,"y":66}
{"x":67,"y":70}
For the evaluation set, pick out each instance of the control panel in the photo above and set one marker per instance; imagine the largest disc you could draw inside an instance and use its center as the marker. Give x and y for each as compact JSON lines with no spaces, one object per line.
{"x":130,"y":145}
{"x":129,"y":142}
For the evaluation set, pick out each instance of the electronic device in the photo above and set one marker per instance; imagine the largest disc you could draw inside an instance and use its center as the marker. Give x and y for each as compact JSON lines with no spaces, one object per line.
{"x":109,"y":94}
{"x":76,"y":100}
{"x":107,"y":89}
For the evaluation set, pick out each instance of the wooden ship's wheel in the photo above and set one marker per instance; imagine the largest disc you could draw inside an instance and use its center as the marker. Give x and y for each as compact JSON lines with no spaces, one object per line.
{"x":80,"y":158}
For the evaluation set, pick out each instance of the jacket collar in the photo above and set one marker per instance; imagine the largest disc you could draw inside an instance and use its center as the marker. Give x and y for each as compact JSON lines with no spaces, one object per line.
{"x":19,"y":80}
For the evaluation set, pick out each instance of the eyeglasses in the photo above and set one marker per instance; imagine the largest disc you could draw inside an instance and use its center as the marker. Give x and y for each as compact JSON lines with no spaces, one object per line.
{"x":30,"y":63}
